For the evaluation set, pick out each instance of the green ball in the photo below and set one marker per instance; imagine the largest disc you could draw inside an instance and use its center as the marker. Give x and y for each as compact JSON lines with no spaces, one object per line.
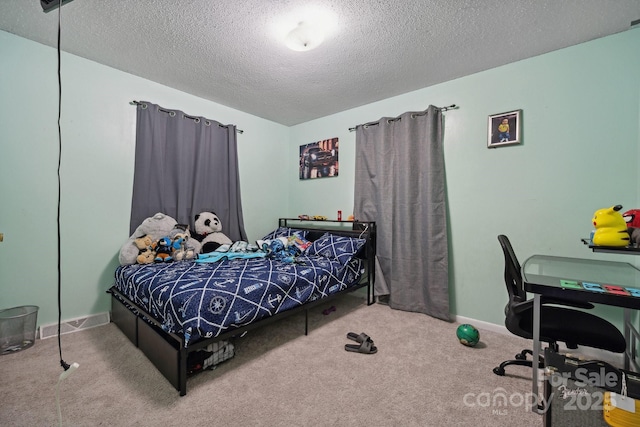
{"x":468,"y":335}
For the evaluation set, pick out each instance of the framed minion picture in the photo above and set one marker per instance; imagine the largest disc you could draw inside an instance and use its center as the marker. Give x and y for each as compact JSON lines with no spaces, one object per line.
{"x":504,"y":129}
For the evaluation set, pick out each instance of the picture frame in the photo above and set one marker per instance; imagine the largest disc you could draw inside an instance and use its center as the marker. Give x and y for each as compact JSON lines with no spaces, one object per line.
{"x":504,"y":129}
{"x":319,"y":159}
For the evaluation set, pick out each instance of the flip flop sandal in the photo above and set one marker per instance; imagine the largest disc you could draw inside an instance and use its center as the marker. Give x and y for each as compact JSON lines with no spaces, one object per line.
{"x":328,"y":311}
{"x":359,"y":338}
{"x":366,"y":347}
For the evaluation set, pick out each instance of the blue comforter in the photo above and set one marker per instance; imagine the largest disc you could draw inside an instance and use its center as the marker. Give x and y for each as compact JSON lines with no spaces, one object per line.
{"x":207,"y":299}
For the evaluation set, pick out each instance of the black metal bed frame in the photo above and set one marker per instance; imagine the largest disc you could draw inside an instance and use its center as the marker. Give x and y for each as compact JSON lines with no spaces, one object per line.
{"x":168,"y":351}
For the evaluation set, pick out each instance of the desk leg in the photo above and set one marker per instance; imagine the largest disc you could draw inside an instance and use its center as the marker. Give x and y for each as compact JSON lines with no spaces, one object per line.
{"x":536,"y":355}
{"x":627,"y":337}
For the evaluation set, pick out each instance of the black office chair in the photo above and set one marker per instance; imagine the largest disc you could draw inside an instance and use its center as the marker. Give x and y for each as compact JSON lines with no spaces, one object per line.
{"x":557,"y":324}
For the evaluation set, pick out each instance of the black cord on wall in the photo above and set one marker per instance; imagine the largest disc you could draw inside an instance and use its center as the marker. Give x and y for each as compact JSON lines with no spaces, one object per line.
{"x":64,"y":364}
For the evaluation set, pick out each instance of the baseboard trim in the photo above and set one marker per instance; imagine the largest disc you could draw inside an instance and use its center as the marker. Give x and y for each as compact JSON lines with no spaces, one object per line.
{"x":73,"y":325}
{"x":482,"y":325}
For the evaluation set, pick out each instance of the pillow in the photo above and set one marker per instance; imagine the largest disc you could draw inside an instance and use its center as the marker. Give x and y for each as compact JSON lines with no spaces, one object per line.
{"x":285,"y":232}
{"x":342,"y":248}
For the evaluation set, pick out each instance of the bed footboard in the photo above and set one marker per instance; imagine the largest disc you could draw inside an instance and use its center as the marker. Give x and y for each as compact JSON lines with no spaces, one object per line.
{"x":161,"y":348}
{"x":166,"y":351}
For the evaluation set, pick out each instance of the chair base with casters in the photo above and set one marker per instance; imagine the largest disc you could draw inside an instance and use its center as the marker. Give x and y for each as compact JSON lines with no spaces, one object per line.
{"x":521,"y":360}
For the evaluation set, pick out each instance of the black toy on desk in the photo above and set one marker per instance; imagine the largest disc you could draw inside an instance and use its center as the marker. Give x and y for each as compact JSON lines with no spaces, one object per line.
{"x":634,"y":235}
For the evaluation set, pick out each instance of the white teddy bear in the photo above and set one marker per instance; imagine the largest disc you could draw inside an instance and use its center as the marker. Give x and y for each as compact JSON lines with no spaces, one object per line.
{"x":156,"y":227}
{"x":208,"y":230}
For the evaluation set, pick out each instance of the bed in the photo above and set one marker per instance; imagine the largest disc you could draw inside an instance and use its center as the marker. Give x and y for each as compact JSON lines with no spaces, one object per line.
{"x":174,"y":311}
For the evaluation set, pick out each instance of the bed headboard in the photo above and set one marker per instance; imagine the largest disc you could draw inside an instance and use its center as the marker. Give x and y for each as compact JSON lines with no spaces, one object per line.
{"x":361,"y":229}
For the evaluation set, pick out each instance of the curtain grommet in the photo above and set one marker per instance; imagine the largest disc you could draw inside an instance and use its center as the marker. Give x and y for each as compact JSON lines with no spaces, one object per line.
{"x":172,"y":113}
{"x":197,"y":120}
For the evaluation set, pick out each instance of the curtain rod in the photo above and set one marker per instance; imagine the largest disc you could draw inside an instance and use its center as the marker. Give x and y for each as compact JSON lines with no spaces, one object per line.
{"x":448,"y":107}
{"x":194,"y":118}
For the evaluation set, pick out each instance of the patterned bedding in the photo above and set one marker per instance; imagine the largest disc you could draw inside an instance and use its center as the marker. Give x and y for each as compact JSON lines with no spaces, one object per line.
{"x":204,"y":300}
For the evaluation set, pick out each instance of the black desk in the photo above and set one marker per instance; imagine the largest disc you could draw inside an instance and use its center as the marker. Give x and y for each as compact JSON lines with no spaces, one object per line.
{"x":579,"y":279}
{"x":628,"y":250}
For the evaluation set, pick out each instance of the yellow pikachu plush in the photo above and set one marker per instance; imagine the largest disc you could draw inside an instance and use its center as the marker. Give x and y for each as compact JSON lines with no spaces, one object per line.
{"x":611,"y":228}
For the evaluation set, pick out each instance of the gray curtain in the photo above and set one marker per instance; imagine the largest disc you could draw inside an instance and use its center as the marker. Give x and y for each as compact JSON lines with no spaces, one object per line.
{"x":185,"y":165}
{"x":400,"y":184}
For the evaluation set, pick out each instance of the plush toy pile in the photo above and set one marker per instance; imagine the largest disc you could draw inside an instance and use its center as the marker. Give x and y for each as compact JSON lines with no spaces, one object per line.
{"x":159,"y":239}
{"x":144,"y":238}
{"x":285,"y":249}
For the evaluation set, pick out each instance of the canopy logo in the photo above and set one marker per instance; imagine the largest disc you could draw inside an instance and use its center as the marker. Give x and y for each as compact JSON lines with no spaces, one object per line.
{"x":575,"y":396}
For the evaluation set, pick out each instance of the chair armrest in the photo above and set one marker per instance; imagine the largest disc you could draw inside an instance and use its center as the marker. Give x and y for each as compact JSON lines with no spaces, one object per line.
{"x":519,"y":307}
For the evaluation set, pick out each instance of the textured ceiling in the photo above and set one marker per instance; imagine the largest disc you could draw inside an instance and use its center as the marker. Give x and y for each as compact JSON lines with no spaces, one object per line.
{"x":231,"y":51}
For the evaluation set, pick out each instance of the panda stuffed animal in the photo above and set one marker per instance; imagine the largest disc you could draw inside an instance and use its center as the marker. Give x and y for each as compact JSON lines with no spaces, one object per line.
{"x":208,"y":230}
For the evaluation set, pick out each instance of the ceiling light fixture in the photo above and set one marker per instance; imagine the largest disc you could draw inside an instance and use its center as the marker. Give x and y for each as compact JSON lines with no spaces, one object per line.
{"x":304,"y":37}
{"x":49,"y":5}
